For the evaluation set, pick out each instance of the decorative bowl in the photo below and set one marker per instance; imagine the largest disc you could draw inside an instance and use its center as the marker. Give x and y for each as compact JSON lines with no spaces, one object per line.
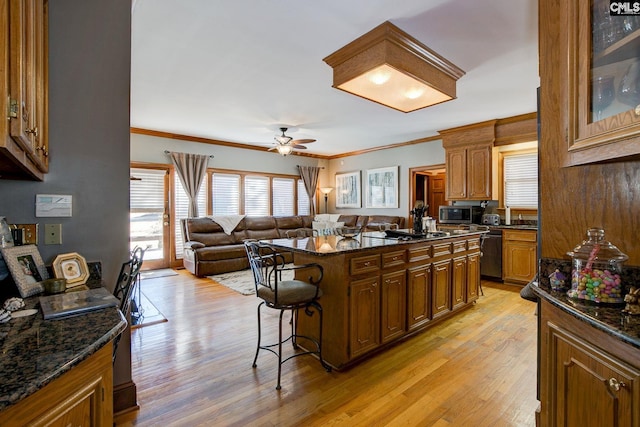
{"x":55,"y":285}
{"x":348,"y":232}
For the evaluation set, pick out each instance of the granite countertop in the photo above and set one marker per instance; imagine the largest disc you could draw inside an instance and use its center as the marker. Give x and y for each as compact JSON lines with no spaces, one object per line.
{"x":607,"y":318}
{"x":332,"y":245}
{"x":37,"y":351}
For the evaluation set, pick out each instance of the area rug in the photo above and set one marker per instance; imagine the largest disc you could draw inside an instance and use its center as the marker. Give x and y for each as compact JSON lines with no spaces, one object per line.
{"x":242,"y":281}
{"x":144,"y":313}
{"x":153,"y":274}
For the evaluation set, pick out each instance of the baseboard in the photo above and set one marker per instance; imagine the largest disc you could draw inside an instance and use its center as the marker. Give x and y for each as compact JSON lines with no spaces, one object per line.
{"x":125,"y":398}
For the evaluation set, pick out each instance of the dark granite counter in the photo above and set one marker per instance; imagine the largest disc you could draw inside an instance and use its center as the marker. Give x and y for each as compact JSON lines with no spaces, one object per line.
{"x":331,"y":245}
{"x":37,"y":351}
{"x":607,"y":318}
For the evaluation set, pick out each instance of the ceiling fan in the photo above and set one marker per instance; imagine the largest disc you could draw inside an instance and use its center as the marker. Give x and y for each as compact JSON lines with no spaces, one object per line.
{"x":285,"y":144}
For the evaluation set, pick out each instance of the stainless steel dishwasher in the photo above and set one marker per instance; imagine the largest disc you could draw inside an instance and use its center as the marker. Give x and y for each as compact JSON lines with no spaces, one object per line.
{"x":491,"y":261}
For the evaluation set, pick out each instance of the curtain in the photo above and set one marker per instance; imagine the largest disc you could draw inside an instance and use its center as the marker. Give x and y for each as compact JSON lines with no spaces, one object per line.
{"x":191,"y":169}
{"x":309,"y":175}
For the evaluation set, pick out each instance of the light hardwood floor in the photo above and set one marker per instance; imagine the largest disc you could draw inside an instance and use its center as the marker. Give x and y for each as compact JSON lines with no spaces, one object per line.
{"x":476,"y":369}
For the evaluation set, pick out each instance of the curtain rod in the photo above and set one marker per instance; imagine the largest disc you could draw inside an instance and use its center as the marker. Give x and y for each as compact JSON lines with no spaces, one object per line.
{"x":321,"y":167}
{"x":169,"y":152}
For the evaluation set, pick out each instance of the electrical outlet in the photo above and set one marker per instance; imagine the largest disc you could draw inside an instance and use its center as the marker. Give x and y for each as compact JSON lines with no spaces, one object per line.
{"x":29,"y":233}
{"x":53,"y":234}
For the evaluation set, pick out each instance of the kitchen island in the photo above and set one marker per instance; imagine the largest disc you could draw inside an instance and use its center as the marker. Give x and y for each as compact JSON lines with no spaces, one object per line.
{"x":377,"y":290}
{"x":59,"y":371}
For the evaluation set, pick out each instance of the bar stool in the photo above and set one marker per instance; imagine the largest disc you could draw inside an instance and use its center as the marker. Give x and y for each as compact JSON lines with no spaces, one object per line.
{"x":285,"y":295}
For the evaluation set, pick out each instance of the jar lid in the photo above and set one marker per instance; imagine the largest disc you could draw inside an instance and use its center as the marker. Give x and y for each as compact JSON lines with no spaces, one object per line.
{"x":596,"y":248}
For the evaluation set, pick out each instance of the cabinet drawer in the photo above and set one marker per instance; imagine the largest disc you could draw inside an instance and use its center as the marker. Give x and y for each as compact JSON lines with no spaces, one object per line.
{"x":520,"y":235}
{"x":442,"y":249}
{"x":459,"y":246}
{"x":394,"y":258}
{"x":365,"y":264}
{"x":419,"y":253}
{"x":473,"y":244}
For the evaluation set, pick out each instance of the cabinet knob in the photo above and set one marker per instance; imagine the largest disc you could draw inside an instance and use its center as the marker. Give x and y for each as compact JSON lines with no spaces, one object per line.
{"x":614,"y":384}
{"x":33,"y":131}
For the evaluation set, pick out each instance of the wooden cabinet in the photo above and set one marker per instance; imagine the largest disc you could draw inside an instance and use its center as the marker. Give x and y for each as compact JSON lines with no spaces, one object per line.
{"x":473,"y":277}
{"x":587,"y":377}
{"x":459,"y":282}
{"x":364,"y":328}
{"x":81,"y":397}
{"x":418,"y":296}
{"x":469,"y":162}
{"x":520,"y":255}
{"x":604,"y":69}
{"x":441,"y":288}
{"x":394,"y":305}
{"x":24,"y":146}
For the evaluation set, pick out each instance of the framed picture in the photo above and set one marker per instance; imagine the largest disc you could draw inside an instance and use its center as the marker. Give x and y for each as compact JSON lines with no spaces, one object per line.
{"x":348,"y":190}
{"x":72,"y":267}
{"x":26,"y":267}
{"x":382,"y":187}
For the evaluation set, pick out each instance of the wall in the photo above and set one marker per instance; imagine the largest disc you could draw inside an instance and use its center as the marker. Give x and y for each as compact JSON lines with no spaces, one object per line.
{"x":146,"y":148}
{"x":575,"y":198}
{"x":89,"y":68}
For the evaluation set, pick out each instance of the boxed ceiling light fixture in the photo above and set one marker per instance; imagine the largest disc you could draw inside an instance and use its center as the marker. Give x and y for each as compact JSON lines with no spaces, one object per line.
{"x":388,"y":66}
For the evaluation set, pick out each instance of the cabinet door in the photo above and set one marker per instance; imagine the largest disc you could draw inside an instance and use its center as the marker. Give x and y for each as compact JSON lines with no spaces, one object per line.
{"x":441,"y":280}
{"x":458,"y":282}
{"x":419,"y":296}
{"x":604,"y":73}
{"x":520,"y":261}
{"x":588,"y":387}
{"x":456,"y":174}
{"x":479,"y":173}
{"x":394,"y":303}
{"x":473,"y":277}
{"x":365,"y":315}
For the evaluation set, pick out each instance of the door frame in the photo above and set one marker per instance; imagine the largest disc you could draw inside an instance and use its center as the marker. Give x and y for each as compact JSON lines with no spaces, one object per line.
{"x":413,"y":173}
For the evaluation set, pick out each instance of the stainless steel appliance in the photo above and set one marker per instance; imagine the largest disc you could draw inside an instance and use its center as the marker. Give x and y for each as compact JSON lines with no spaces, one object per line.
{"x":491,"y":219}
{"x":491,"y":261}
{"x":460,"y":214}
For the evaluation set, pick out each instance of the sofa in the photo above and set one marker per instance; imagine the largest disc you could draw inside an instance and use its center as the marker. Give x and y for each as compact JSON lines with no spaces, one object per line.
{"x":209,"y":249}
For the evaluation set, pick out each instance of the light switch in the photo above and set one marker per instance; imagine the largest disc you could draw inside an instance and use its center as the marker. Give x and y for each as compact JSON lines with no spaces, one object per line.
{"x":53,"y":234}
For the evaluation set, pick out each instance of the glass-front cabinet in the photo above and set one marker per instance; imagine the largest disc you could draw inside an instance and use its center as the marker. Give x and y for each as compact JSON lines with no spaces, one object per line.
{"x":604,"y":82}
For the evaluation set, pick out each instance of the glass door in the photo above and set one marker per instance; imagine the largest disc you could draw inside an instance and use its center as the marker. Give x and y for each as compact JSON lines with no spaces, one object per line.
{"x":149,"y":215}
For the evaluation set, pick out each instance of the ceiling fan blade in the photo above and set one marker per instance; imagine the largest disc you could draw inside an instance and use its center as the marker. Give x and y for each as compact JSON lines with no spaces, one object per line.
{"x":302,"y":141}
{"x":273,"y":148}
{"x":299,"y":147}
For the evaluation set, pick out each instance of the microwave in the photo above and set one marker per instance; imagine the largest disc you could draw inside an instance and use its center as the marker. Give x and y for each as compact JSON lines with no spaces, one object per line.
{"x":460,"y":215}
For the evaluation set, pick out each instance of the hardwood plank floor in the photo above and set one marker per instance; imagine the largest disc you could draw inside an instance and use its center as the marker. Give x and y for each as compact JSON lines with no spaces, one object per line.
{"x":476,"y":369}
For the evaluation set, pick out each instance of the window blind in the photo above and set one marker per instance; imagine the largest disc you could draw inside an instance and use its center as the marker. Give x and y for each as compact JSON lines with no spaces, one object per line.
{"x":181,"y":209}
{"x":256,"y":196}
{"x":225,"y":189}
{"x":521,"y":180}
{"x":303,"y":199}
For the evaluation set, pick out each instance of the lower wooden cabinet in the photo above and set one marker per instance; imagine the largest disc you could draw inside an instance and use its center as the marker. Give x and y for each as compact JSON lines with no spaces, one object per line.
{"x":520,"y":256}
{"x":81,"y":397}
{"x":418,"y":296}
{"x":441,"y":289}
{"x":394,"y":305}
{"x":587,"y":378}
{"x":473,"y":277}
{"x":459,"y":282}
{"x":364,"y":327}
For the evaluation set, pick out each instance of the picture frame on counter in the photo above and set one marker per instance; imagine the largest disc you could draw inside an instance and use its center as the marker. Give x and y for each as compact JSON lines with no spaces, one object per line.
{"x":73,"y":267}
{"x":381,"y":188}
{"x":348,"y":190}
{"x":26,"y":267}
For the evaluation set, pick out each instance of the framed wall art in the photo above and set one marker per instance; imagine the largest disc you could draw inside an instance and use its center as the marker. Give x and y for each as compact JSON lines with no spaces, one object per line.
{"x":72,"y":267}
{"x":26,"y":267}
{"x":381,"y":187}
{"x":348,"y":190}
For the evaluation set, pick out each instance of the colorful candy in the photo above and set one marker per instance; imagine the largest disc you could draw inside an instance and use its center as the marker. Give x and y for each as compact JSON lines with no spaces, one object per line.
{"x":598,"y":285}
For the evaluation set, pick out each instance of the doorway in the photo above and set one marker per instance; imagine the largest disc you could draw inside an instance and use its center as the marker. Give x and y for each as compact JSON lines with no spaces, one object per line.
{"x":149,"y":215}
{"x":427,"y":184}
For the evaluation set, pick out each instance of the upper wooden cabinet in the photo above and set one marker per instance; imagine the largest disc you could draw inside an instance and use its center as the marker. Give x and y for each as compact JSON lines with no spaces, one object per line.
{"x":603,"y":88}
{"x":469,"y":158}
{"x":24,"y":147}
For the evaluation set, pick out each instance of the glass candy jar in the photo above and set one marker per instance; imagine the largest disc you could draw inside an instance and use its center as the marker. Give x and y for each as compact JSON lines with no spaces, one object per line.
{"x":596,"y":269}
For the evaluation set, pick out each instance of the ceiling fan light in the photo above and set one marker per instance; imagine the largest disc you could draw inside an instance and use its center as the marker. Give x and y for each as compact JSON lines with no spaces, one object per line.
{"x":414,"y":93}
{"x":284,"y":149}
{"x":379,"y":76}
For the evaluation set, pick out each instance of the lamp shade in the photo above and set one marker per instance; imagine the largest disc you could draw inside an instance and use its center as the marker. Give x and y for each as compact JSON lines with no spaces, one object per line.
{"x":326,"y":190}
{"x":388,"y":66}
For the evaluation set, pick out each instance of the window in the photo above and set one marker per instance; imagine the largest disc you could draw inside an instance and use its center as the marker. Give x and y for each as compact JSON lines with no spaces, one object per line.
{"x":521,"y":180}
{"x":283,"y":196}
{"x":181,"y":209}
{"x":225,"y":191}
{"x":256,"y":195}
{"x":146,"y":212}
{"x":303,"y":199}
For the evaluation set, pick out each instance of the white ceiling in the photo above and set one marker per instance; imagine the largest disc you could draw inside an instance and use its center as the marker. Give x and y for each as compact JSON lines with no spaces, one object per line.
{"x":237,"y":70}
